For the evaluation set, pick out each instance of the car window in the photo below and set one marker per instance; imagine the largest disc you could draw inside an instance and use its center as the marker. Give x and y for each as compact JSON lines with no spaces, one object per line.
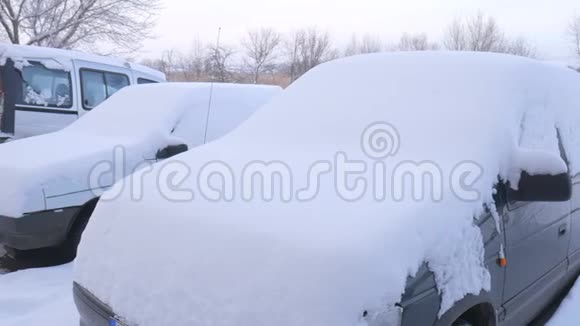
{"x":45,"y":87}
{"x":115,"y":82}
{"x":97,"y":86}
{"x":145,"y":81}
{"x":93,"y":88}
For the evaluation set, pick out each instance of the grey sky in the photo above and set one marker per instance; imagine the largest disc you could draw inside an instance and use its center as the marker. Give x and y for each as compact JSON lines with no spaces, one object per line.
{"x":181,"y":21}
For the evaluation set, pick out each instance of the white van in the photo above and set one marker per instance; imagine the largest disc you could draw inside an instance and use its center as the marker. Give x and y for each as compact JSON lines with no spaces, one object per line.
{"x":43,"y":90}
{"x":51,"y":183}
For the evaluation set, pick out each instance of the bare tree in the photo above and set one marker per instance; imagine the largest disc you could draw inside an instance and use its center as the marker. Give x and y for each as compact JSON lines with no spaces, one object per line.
{"x":192,"y":64}
{"x":416,"y":42}
{"x":260,"y":46}
{"x":353,"y":47}
{"x":218,"y":63}
{"x":306,"y":49}
{"x":482,"y":34}
{"x":165,"y":63}
{"x":180,"y":67}
{"x":520,"y":47}
{"x":78,"y":23}
{"x":368,"y":44}
{"x":574,"y":33}
{"x":456,"y":37}
{"x":478,"y":33}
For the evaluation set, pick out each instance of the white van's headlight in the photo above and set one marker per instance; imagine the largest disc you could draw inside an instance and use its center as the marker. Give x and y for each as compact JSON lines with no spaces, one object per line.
{"x":389,"y":317}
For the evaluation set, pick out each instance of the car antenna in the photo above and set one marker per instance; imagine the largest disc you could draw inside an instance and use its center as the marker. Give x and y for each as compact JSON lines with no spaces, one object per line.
{"x":211,"y":88}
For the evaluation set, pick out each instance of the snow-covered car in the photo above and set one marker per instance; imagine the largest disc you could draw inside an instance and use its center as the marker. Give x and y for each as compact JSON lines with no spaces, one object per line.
{"x":43,"y":89}
{"x":51,"y":183}
{"x":389,"y":189}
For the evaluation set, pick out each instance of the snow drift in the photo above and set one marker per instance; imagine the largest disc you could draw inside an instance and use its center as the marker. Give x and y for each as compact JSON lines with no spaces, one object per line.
{"x":38,"y":297}
{"x":326,"y":260}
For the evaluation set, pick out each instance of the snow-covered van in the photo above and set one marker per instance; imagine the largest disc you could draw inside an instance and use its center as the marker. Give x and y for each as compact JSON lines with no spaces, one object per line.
{"x":396,"y":189}
{"x":44,"y":89}
{"x":50,"y":183}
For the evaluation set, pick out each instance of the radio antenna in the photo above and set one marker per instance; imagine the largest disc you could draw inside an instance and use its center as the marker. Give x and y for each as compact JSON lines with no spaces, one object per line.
{"x":216,"y":57}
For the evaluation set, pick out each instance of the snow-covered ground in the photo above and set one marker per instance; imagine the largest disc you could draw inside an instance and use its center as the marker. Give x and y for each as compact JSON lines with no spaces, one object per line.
{"x":569,"y":312}
{"x":38,"y":297}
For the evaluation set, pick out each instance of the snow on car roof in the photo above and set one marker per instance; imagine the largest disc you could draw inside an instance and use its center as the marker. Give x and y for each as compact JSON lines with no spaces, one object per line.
{"x":18,"y":52}
{"x":330,"y":249}
{"x":160,"y":106}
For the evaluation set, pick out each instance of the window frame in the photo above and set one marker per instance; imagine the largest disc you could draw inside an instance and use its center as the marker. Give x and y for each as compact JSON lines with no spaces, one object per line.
{"x":103,"y":73}
{"x":147,"y":81}
{"x":20,"y":100}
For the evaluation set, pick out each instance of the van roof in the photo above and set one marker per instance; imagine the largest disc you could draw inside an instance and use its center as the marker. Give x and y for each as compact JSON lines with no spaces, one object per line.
{"x":20,"y":52}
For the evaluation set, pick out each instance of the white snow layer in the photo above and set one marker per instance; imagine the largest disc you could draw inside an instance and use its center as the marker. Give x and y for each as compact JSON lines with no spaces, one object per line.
{"x":327,"y":260}
{"x":60,"y":59}
{"x":138,"y":119}
{"x":569,"y":313}
{"x":38,"y":297}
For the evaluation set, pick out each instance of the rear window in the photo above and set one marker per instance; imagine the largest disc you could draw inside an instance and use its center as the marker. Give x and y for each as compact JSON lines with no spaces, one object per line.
{"x":45,"y":87}
{"x":97,"y":86}
{"x":145,"y":81}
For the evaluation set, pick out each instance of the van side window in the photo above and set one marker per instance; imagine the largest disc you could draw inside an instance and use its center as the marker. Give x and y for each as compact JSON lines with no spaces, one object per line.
{"x":141,"y":81}
{"x":97,"y":86}
{"x":45,"y":87}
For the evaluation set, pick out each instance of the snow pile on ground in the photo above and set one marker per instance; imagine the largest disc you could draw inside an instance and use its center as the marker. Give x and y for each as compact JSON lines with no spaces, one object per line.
{"x":329,"y":259}
{"x":38,"y":297}
{"x":138,"y":119}
{"x":569,"y":312}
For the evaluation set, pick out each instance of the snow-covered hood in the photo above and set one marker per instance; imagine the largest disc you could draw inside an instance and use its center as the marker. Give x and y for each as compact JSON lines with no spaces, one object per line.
{"x":322,"y":253}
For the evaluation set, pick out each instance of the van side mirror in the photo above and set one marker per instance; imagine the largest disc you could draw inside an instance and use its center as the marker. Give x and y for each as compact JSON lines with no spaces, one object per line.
{"x":542,"y":188}
{"x":171,"y":151}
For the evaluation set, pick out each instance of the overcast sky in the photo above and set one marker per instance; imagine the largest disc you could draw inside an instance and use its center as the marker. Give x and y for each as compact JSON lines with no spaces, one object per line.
{"x":181,"y":21}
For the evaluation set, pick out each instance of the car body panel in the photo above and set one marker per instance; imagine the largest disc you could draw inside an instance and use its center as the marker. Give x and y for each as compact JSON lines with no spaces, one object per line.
{"x":37,"y":230}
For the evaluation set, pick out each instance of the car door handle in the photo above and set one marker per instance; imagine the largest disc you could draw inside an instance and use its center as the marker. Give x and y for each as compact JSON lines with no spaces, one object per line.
{"x":562,"y":230}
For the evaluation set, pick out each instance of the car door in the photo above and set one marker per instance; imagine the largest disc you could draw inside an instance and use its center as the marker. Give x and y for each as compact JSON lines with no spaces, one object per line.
{"x":574,"y":250}
{"x":537,"y":237}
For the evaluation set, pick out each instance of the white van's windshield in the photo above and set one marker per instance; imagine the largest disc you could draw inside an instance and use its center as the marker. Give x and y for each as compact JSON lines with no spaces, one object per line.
{"x":45,"y":87}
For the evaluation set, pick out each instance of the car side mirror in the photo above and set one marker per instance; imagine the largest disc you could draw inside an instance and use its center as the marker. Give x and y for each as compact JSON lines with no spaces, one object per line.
{"x":171,"y":151}
{"x":542,"y":188}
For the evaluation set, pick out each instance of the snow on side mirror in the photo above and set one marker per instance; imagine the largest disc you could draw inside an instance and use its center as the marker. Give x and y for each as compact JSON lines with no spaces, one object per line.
{"x":543,"y":188}
{"x":543,"y":178}
{"x":171,"y":151}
